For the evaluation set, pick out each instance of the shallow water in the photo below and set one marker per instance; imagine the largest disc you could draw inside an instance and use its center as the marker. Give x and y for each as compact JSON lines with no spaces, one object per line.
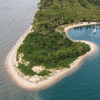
{"x":81,"y":84}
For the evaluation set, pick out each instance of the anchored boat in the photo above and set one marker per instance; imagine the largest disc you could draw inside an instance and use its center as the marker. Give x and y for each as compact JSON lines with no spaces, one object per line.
{"x":94,"y":31}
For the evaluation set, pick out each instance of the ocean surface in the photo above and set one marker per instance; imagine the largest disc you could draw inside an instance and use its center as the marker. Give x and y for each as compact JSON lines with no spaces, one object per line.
{"x":83,"y":83}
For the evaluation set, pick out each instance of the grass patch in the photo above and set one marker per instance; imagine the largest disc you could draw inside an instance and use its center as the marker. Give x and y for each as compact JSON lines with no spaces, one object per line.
{"x":26,"y":70}
{"x":44,"y":73}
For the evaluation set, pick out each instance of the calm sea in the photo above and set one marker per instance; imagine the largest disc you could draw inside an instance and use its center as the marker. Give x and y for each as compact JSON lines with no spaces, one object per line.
{"x":83,"y":83}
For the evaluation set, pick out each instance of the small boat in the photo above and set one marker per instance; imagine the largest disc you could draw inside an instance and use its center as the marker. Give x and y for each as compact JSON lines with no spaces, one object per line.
{"x":94,"y":31}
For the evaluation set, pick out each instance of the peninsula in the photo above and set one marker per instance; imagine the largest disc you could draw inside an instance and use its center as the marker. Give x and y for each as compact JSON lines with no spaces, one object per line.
{"x":44,"y":54}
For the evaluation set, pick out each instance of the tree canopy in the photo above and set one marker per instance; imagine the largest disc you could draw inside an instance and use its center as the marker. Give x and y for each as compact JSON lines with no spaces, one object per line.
{"x":45,"y":46}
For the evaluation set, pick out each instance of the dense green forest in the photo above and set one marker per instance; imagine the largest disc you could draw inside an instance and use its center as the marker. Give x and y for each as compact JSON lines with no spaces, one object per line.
{"x":95,"y":2}
{"x":45,"y":46}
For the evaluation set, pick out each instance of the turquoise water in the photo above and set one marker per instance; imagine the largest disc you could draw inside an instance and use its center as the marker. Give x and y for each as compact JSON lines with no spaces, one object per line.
{"x":83,"y":83}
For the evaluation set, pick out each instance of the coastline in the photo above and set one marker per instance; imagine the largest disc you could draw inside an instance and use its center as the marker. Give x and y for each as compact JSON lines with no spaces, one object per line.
{"x":20,"y":79}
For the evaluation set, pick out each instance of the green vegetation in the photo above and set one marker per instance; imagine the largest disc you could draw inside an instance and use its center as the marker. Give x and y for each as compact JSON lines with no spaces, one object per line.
{"x":45,"y":46}
{"x":26,"y":70}
{"x":95,"y":2}
{"x":61,"y":28}
{"x":44,"y":73}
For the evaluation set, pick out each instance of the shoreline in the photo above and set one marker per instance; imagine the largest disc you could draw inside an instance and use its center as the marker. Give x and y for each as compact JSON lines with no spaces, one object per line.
{"x":21,"y":80}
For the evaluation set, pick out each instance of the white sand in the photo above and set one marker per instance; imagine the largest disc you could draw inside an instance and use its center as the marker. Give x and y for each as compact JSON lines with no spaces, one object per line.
{"x":36,"y":82}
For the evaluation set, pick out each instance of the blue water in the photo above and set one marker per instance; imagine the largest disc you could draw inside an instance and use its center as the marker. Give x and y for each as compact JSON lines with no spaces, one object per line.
{"x":83,"y":83}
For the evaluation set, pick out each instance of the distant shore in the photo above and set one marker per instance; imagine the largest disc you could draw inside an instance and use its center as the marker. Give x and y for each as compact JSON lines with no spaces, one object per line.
{"x":27,"y":82}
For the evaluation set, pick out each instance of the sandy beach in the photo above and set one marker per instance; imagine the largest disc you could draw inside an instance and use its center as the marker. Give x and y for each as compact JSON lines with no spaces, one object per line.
{"x":35,"y":82}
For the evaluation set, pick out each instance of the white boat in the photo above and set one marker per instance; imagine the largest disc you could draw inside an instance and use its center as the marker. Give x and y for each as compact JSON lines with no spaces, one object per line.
{"x":94,"y":31}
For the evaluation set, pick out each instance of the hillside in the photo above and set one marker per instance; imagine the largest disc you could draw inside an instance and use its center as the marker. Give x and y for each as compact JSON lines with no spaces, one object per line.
{"x":48,"y":48}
